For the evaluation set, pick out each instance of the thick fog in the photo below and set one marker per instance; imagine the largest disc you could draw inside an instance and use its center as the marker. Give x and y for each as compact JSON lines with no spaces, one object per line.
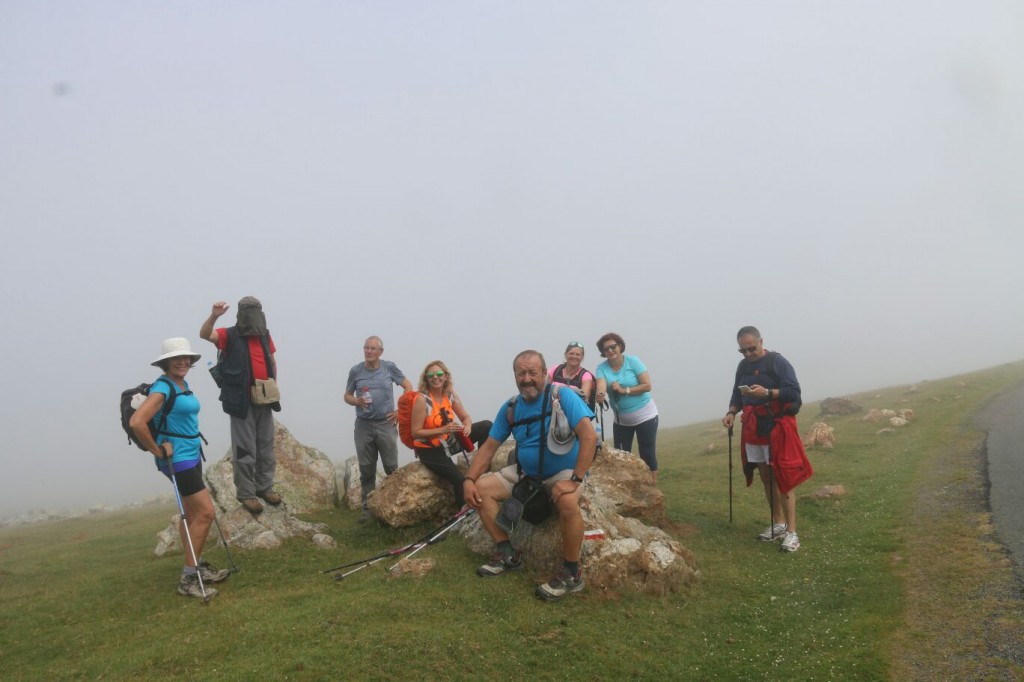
{"x":470,"y":179}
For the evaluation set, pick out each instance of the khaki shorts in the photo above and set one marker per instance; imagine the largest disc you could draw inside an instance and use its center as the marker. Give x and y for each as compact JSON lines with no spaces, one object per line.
{"x":509,"y":477}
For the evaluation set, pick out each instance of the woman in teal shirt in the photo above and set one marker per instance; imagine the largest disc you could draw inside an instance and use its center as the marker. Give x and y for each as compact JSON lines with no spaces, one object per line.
{"x":627,"y":383}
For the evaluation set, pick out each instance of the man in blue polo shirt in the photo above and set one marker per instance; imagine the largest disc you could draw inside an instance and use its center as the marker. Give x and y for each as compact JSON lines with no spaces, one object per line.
{"x":563,"y":474}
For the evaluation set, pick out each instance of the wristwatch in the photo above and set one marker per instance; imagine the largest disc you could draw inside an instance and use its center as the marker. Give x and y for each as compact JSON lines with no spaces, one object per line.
{"x":628,"y":389}
{"x":576,"y":478}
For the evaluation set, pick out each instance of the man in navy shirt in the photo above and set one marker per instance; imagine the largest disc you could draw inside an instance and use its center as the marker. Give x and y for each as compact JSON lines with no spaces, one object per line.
{"x":563,"y":474}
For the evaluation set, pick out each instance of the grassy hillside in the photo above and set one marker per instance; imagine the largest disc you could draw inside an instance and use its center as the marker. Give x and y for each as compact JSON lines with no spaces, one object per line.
{"x":85,"y":598}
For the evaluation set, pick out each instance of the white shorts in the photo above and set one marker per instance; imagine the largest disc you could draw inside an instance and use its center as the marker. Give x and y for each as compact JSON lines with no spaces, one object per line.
{"x":757,"y":454}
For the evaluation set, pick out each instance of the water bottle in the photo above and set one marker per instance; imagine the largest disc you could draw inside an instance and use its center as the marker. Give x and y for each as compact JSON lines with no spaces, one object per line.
{"x":368,"y":399}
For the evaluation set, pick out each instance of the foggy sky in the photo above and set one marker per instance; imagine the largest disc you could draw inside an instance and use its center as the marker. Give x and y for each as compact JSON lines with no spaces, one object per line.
{"x":469,"y":179}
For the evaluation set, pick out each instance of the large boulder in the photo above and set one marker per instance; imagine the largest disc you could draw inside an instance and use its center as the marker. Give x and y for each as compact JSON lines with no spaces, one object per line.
{"x":305,"y":477}
{"x":625,"y":554}
{"x":413,"y":494}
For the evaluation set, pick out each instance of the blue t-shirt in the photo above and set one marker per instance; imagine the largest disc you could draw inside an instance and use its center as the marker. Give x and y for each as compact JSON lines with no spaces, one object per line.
{"x":379,"y":382}
{"x":628,"y":375}
{"x":183,"y":419}
{"x":528,"y":435}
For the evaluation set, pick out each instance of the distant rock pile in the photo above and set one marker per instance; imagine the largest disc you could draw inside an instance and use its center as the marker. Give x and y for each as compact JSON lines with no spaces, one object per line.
{"x":819,"y":435}
{"x":839,"y":406}
{"x":895,"y":418}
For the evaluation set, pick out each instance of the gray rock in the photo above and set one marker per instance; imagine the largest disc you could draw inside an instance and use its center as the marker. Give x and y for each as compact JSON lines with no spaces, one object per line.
{"x":305,"y":477}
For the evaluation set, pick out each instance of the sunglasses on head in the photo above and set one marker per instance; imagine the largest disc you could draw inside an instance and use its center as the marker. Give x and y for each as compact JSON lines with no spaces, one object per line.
{"x":576,"y":344}
{"x":431,"y":375}
{"x":748,"y":349}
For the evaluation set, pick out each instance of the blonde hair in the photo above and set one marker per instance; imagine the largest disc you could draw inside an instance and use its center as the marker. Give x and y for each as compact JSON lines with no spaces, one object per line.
{"x":425,"y":385}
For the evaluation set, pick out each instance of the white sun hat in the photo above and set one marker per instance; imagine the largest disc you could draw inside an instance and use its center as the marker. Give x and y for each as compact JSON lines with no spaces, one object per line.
{"x":173,"y":348}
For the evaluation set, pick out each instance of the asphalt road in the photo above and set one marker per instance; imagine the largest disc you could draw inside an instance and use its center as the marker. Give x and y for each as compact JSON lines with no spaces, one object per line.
{"x":1003,"y":419}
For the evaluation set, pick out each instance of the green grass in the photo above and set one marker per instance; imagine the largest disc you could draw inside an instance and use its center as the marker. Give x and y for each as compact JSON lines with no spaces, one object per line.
{"x":85,"y":598}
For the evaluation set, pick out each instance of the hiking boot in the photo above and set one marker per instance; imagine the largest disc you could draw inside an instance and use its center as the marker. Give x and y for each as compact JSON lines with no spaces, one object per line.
{"x":790,"y":543}
{"x":252,"y":505}
{"x":212,"y":574}
{"x":189,"y":586}
{"x":272,"y":497}
{"x":562,"y":584}
{"x":500,"y":563}
{"x":773,"y":532}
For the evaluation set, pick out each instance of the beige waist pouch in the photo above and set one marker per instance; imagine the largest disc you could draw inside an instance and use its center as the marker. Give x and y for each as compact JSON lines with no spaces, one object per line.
{"x":265,"y":392}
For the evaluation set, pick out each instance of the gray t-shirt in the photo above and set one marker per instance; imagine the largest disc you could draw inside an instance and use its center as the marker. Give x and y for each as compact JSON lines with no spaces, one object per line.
{"x":379,"y":382}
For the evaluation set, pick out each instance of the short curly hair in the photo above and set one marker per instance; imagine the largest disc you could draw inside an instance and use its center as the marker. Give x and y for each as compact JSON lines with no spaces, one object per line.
{"x":610,"y":336}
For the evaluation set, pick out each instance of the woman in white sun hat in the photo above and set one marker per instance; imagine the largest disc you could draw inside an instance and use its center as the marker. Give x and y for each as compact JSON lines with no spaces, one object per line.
{"x":174,"y":442}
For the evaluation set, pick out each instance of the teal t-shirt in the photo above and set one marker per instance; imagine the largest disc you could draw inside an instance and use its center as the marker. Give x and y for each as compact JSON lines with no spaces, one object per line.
{"x":628,"y":375}
{"x":183,"y":420}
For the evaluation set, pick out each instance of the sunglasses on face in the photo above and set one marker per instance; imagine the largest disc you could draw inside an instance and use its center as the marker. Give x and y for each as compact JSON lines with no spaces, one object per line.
{"x":434,"y":375}
{"x":748,"y":349}
{"x":610,"y":347}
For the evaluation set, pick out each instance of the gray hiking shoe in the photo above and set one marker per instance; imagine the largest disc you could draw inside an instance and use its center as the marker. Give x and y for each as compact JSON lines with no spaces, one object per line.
{"x":773,"y":532}
{"x":501,"y":563}
{"x":562,"y":584}
{"x":189,"y":586}
{"x":212,"y":574}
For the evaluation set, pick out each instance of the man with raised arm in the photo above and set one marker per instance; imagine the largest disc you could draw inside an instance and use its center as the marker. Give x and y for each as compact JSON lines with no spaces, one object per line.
{"x":246,"y":362}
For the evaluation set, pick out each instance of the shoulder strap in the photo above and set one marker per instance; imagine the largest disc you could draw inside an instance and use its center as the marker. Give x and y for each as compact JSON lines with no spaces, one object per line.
{"x":168,"y":403}
{"x":545,"y":409}
{"x":264,"y":342}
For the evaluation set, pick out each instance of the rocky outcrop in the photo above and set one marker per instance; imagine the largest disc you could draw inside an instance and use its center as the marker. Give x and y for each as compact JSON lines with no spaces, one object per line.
{"x":305,"y":477}
{"x":625,"y":555}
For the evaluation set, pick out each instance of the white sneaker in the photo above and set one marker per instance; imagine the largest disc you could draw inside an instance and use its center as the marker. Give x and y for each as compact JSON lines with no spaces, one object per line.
{"x":773,"y":532}
{"x":790,"y":543}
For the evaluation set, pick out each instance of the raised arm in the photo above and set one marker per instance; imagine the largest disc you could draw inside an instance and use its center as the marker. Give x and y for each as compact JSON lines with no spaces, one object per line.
{"x":207,"y":331}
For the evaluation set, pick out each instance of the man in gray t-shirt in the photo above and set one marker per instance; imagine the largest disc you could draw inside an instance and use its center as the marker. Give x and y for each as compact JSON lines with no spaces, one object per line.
{"x":369,"y":390}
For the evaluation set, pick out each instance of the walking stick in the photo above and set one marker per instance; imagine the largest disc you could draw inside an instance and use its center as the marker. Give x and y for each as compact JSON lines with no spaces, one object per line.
{"x":730,"y":474}
{"x":771,"y":495}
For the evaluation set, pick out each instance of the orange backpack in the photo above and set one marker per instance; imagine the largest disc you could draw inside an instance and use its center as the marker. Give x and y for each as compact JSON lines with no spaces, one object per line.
{"x":405,"y":403}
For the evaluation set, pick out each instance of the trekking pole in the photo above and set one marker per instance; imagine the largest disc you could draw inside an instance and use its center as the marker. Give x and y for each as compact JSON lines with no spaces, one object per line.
{"x":188,"y":536}
{"x":730,"y":474}
{"x":771,"y":495}
{"x":234,"y":568}
{"x":459,"y":519}
{"x":399,"y":550}
{"x":395,"y":552}
{"x":373,"y":559}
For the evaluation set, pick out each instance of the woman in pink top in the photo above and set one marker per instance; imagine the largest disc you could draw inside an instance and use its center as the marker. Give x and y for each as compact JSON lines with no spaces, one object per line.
{"x":572,"y":373}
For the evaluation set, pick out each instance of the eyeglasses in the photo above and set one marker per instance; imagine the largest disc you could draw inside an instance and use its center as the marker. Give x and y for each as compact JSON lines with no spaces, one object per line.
{"x":748,"y":349}
{"x":610,"y":346}
{"x":434,"y":375}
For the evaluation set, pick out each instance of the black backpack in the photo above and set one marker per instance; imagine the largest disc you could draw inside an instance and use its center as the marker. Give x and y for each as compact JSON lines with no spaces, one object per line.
{"x":158,"y":423}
